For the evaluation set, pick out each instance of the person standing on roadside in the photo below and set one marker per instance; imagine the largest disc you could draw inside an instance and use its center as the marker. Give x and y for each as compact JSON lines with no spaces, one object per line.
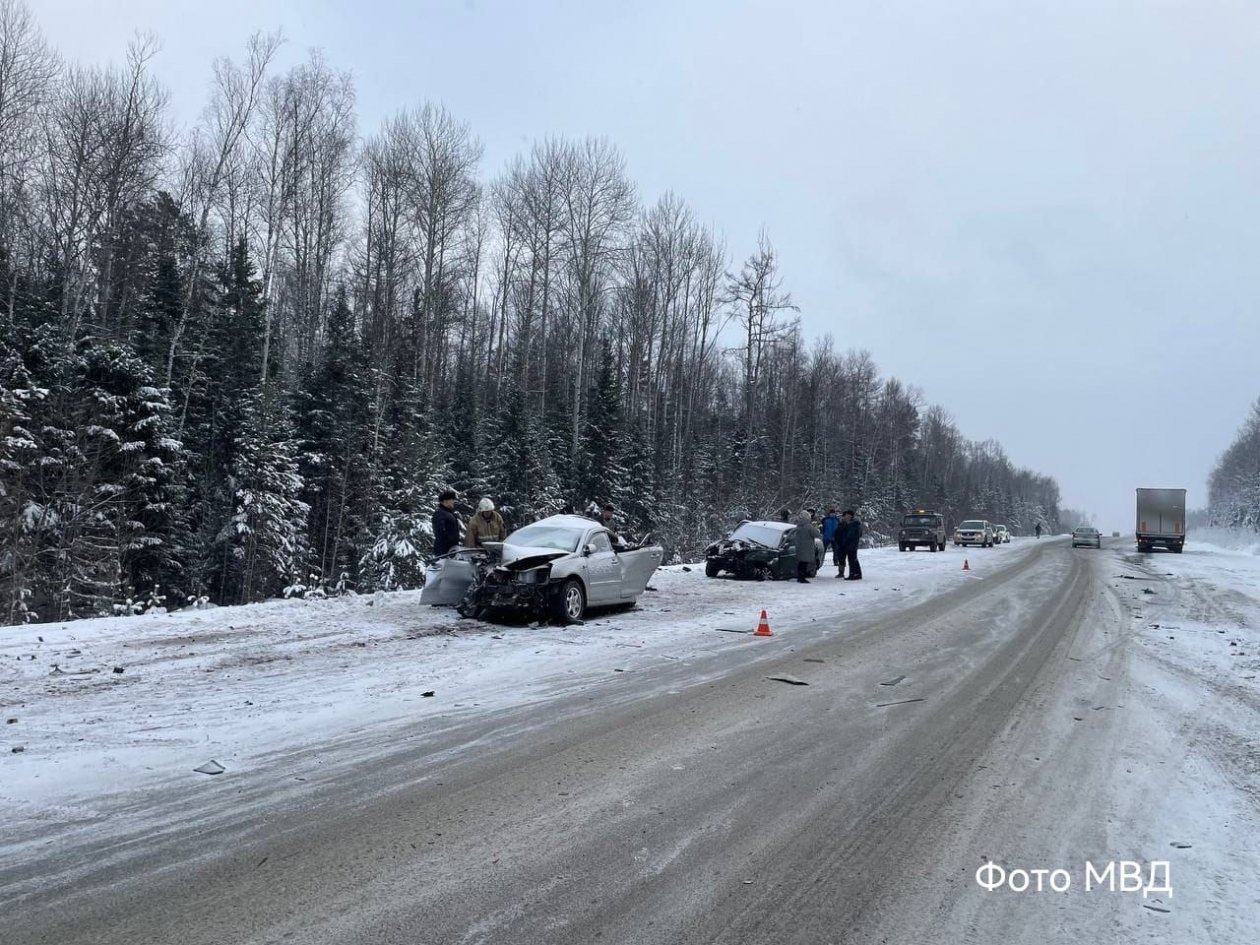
{"x":847,"y":542}
{"x":485,"y":525}
{"x":806,"y":535}
{"x":445,"y":525}
{"x":830,"y":528}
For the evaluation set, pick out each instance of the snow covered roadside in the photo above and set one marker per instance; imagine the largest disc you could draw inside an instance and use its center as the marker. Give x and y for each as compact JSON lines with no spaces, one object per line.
{"x":262,"y":688}
{"x":1192,"y":745}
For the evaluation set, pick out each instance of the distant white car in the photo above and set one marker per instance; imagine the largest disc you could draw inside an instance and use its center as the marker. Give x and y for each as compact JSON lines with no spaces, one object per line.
{"x":1003,"y":534}
{"x":974,"y":531}
{"x":1083,"y":535}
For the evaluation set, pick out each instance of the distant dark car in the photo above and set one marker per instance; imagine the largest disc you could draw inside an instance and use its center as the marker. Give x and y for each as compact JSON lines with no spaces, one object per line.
{"x":761,"y":551}
{"x":1084,"y":535}
{"x":921,"y":527}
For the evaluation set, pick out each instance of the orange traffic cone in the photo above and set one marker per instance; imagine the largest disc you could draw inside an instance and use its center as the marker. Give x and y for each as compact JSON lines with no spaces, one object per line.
{"x":763,"y":628}
{"x":966,"y":565}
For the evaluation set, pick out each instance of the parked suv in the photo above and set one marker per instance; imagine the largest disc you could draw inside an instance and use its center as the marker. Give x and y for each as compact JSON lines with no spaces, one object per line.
{"x":921,"y":527}
{"x":974,"y":531}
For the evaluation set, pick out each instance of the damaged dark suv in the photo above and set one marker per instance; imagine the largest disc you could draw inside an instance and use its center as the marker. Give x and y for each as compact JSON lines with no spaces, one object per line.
{"x":761,"y":551}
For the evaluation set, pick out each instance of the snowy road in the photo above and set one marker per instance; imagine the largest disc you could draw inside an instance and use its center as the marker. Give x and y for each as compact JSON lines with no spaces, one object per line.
{"x":639,"y":779}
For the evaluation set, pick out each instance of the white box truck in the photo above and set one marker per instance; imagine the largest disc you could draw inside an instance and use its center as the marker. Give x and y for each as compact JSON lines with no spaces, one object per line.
{"x":1161,"y":519}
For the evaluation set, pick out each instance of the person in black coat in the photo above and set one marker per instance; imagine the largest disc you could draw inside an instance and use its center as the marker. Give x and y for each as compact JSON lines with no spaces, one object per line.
{"x":847,"y":539}
{"x":445,"y":525}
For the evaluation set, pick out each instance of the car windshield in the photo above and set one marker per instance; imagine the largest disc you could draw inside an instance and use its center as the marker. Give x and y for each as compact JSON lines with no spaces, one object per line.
{"x":926,"y":521}
{"x":1084,"y":531}
{"x":761,"y":534}
{"x":559,"y":537}
{"x":977,"y":525}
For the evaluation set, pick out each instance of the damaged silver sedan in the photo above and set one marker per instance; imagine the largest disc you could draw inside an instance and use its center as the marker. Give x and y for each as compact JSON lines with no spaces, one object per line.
{"x":557,"y":568}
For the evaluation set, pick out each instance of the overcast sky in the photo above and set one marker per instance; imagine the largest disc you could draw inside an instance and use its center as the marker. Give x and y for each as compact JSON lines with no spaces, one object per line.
{"x":1046,"y":215}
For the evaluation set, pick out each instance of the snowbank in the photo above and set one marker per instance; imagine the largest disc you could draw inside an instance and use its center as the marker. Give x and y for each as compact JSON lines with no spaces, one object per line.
{"x":1230,"y":539}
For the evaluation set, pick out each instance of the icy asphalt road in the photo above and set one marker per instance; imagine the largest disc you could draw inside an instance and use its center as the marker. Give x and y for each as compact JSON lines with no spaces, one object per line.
{"x":717,"y":806}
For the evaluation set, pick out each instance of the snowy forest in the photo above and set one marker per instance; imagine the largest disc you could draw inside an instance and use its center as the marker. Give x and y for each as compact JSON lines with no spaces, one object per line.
{"x":241,"y":359}
{"x":1234,"y":486}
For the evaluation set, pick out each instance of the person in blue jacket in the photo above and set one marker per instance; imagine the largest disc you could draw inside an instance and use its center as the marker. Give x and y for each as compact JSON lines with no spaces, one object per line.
{"x":830,"y":528}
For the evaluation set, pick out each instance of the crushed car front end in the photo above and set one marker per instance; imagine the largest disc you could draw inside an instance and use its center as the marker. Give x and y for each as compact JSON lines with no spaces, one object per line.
{"x":525,"y":586}
{"x":743,"y":559}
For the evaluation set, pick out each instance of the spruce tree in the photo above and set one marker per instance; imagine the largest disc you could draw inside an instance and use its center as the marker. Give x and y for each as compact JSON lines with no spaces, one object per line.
{"x":333,"y":410}
{"x":264,"y":543}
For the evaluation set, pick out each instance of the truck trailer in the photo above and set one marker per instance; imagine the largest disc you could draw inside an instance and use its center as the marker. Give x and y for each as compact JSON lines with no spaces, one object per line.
{"x":1161,"y":519}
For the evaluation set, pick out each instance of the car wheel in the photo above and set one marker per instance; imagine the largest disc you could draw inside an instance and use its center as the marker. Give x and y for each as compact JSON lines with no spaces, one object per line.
{"x":712,"y":569}
{"x":901,"y":546}
{"x":570,"y":604}
{"x":932,"y":547}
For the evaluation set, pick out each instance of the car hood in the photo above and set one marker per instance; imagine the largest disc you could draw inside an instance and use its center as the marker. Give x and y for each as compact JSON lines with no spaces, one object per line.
{"x":521,"y":557}
{"x":735,"y":545}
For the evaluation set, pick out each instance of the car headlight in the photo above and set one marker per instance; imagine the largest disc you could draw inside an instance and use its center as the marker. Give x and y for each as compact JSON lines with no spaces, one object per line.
{"x":532,"y":576}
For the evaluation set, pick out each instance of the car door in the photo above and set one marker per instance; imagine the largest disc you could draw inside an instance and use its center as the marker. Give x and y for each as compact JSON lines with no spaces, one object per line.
{"x":637,"y":568}
{"x":603,"y":570}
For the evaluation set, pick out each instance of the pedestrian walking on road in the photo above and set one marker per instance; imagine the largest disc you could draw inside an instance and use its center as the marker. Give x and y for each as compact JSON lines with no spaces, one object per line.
{"x":847,"y":541}
{"x":806,"y":535}
{"x":1038,"y":529}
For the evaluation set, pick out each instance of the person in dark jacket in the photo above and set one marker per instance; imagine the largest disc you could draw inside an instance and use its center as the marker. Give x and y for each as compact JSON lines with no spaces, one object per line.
{"x":445,"y":525}
{"x":847,"y":545}
{"x":806,"y":534}
{"x":830,"y":528}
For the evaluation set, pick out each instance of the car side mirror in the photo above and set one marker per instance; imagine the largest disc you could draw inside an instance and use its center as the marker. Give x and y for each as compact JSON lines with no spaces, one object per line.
{"x":588,"y":550}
